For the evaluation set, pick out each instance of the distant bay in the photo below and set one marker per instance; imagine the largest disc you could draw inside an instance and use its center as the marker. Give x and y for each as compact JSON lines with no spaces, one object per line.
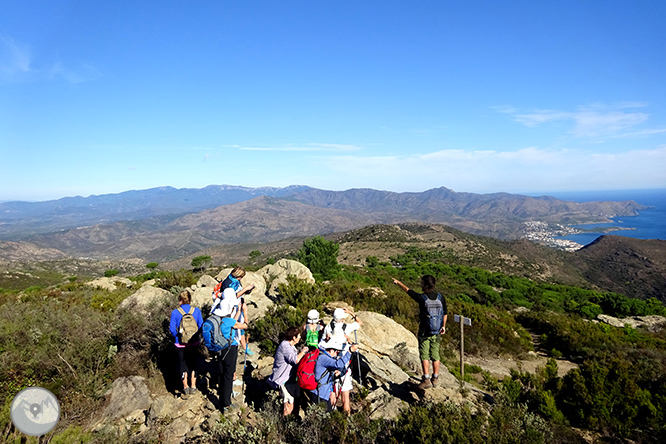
{"x":649,"y":224}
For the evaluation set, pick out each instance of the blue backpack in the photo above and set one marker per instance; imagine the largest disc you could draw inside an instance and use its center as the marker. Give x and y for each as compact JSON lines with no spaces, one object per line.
{"x":214,"y":339}
{"x":434,"y":313}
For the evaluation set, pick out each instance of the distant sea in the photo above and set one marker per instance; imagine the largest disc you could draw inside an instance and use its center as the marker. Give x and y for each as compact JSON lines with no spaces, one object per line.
{"x":649,"y":224}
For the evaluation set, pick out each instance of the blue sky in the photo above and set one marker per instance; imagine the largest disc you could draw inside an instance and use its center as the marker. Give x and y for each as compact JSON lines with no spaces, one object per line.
{"x":478,"y":96}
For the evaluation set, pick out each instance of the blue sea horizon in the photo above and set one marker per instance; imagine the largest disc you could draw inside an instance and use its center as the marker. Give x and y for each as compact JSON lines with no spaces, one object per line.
{"x":649,"y":224}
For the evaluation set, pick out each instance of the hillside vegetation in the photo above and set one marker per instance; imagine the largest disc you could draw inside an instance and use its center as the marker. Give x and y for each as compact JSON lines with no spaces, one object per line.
{"x":74,"y":340}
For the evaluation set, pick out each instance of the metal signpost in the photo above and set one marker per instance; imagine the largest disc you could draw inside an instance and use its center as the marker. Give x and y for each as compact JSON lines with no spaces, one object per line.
{"x":463,"y":321}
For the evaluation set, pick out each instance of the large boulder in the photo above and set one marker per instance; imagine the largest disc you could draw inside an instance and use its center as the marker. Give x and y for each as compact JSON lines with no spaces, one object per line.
{"x":277,"y":273}
{"x":127,"y":395}
{"x":383,"y":337}
{"x":109,"y":283}
{"x":146,"y":297}
{"x":206,"y":281}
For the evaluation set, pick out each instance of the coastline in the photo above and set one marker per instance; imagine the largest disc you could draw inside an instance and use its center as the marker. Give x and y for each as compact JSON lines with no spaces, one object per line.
{"x":548,"y":234}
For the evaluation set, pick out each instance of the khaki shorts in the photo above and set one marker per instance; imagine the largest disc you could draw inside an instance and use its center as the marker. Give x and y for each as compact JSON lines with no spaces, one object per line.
{"x":429,"y":347}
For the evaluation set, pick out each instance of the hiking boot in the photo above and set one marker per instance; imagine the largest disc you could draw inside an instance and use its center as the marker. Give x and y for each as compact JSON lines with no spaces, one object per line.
{"x":425,"y":384}
{"x":434,"y":381}
{"x":192,"y":391}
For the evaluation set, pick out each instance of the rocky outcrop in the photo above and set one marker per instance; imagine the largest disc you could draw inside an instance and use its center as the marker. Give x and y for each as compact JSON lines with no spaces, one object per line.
{"x":147,"y":296}
{"x":277,"y":273}
{"x":132,"y":411}
{"x":109,"y":283}
{"x":650,"y":323}
{"x":126,"y":396}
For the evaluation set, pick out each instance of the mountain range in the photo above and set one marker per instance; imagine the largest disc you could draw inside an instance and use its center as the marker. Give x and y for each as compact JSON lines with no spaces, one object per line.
{"x":167,"y":223}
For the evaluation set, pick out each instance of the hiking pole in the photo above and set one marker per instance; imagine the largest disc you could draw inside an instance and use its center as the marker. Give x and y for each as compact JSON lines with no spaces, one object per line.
{"x":358,"y":358}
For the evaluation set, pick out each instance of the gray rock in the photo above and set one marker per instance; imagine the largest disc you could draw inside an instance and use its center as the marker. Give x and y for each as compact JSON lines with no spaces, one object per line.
{"x":147,"y":296}
{"x":109,"y":283}
{"x":651,"y":323}
{"x":382,"y":336}
{"x":127,"y":395}
{"x":206,"y":281}
{"x":277,"y":273}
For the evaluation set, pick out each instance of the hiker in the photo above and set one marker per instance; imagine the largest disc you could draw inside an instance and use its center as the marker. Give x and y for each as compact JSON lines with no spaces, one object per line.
{"x":284,"y":369}
{"x":334,"y":356}
{"x":184,"y":324}
{"x":314,"y":330}
{"x":233,"y":280}
{"x":222,"y":342}
{"x":432,"y":324}
{"x":339,"y":331}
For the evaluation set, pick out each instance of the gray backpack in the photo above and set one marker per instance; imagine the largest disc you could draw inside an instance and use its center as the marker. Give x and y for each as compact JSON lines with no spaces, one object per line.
{"x":434,"y":312}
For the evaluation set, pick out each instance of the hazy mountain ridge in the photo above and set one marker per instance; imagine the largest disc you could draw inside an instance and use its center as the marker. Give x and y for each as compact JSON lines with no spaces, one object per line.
{"x":298,"y":211}
{"x":19,"y":220}
{"x":263,"y":219}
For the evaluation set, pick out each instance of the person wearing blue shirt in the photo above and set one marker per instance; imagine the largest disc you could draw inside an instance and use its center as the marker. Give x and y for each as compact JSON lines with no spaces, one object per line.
{"x":187,"y":353}
{"x":226,"y":360}
{"x":332,"y":361}
{"x":233,"y":280}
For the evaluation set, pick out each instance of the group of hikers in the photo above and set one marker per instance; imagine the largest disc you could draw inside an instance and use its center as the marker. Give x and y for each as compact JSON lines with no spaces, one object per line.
{"x":318,"y":370}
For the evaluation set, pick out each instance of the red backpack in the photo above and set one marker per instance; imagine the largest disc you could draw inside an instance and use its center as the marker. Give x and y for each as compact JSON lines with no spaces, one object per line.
{"x":306,"y":370}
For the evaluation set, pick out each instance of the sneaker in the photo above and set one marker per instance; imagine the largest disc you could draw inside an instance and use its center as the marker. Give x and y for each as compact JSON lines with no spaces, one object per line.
{"x":238,"y":383}
{"x":234,"y":393}
{"x":434,"y":381}
{"x":425,"y":384}
{"x":229,"y":408}
{"x":192,"y":390}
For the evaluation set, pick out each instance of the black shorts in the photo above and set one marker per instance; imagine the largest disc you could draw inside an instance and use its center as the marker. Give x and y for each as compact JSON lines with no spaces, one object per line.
{"x":187,"y":360}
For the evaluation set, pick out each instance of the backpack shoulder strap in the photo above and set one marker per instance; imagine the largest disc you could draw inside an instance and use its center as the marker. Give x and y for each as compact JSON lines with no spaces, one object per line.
{"x":181,"y":311}
{"x":191,"y":310}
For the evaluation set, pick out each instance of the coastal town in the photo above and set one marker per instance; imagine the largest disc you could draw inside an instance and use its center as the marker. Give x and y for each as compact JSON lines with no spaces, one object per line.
{"x":545,"y":234}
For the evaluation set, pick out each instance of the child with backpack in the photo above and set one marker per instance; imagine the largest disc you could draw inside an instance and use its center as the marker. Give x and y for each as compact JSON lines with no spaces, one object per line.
{"x":340,"y":331}
{"x":284,"y":369}
{"x":432,"y":324}
{"x":184,"y":325}
{"x":313,"y":330}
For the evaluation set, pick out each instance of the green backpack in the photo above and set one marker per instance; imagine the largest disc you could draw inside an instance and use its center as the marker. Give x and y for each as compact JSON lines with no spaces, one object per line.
{"x":312,"y":337}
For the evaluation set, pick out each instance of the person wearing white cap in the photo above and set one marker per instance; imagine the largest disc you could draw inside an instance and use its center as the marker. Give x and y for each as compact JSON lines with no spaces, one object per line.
{"x":333,"y":358}
{"x":339,"y":331}
{"x":313,"y":330}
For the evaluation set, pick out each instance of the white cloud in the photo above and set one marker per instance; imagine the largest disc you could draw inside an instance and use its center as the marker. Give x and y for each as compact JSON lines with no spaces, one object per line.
{"x":305,"y":147}
{"x":82,"y":73}
{"x":14,"y":57}
{"x":591,"y":121}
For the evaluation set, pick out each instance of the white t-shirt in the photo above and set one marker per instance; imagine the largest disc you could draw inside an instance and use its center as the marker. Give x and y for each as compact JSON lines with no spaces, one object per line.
{"x":338,"y":333}
{"x":225,"y":305}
